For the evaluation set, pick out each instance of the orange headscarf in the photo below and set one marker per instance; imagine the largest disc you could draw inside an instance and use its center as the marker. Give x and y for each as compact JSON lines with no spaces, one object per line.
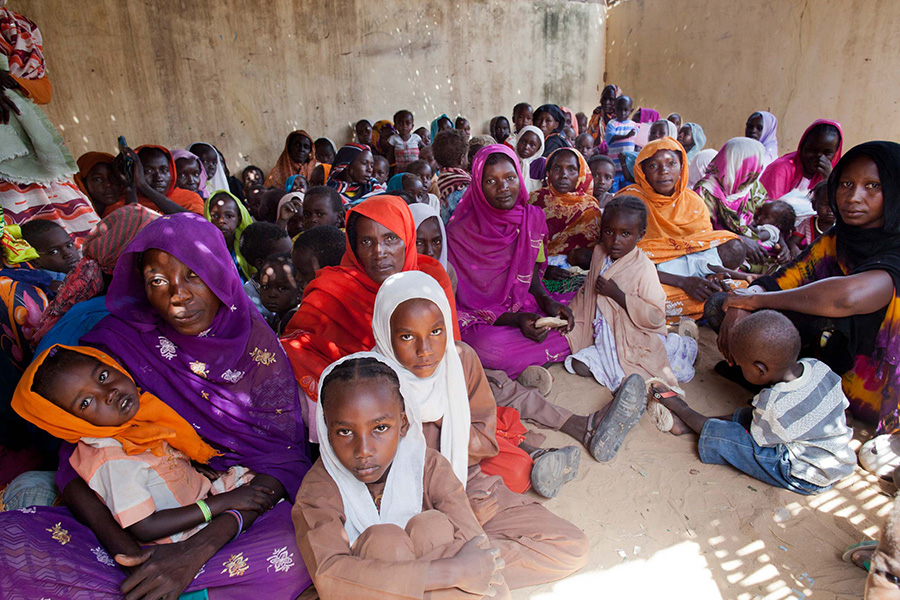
{"x":153,"y":424}
{"x":286,"y":166}
{"x":335,"y":317}
{"x":88,"y":161}
{"x":679,"y":224}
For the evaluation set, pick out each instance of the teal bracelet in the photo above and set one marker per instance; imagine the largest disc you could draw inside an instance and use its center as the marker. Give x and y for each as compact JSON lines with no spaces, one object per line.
{"x":204,"y":508}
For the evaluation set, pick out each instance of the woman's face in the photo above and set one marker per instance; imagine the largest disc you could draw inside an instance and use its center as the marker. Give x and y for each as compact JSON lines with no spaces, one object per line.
{"x":500,"y":184}
{"x":528,"y":144}
{"x":379,"y":250}
{"x":608,"y":102}
{"x":563,"y":173}
{"x":419,"y":336}
{"x":501,"y":130}
{"x":299,"y":149}
{"x":754,"y":127}
{"x":103,"y":184}
{"x":859,"y":195}
{"x":178,"y":294}
{"x":545,"y":122}
{"x":360,"y":170}
{"x":686,"y":137}
{"x":187,"y":174}
{"x":663,"y":171}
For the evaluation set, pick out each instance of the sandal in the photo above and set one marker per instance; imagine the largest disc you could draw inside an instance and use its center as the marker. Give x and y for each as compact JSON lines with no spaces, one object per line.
{"x":661,"y":416}
{"x":536,"y":377}
{"x":627,"y":407}
{"x":554,"y":467}
{"x":860,"y":554}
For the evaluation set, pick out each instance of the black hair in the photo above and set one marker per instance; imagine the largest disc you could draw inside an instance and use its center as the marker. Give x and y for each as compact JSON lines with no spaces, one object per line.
{"x":623,"y":98}
{"x":609,"y":89}
{"x":476,"y":143}
{"x":147,"y":151}
{"x":768,"y":333}
{"x":377,"y":157}
{"x":585,"y":135}
{"x":35,"y":228}
{"x":402,"y":194}
{"x":280,"y":258}
{"x":823,"y":129}
{"x":337,"y":203}
{"x":449,"y":148}
{"x":416,"y":164}
{"x":58,"y":361}
{"x":360,"y":122}
{"x":402,"y":113}
{"x":819,"y":188}
{"x":253,"y":168}
{"x":460,"y":119}
{"x":601,"y":158}
{"x":631,"y":205}
{"x":496,"y":157}
{"x":408,"y":177}
{"x":520,"y":106}
{"x":258,"y":239}
{"x":322,"y":140}
{"x":785,"y":217}
{"x":326,"y":242}
{"x":557,"y":155}
{"x":267,"y":210}
{"x":360,"y":368}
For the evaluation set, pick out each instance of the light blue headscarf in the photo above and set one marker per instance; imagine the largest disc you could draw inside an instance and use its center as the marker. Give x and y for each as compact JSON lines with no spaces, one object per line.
{"x":434,"y":125}
{"x":699,"y":141}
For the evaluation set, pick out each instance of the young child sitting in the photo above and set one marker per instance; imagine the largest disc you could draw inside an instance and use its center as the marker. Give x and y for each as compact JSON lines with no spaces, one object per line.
{"x":462,"y":124}
{"x":810,"y":228}
{"x":258,"y":242}
{"x":381,"y":169}
{"x":279,"y":291}
{"x":620,"y":312}
{"x":584,"y":143}
{"x":423,"y":133}
{"x":322,"y":205}
{"x":773,"y":224}
{"x":796,"y":435}
{"x":620,"y":133}
{"x":452,"y":180}
{"x":380,"y":515}
{"x":57,"y":253}
{"x":403,"y":147}
{"x":325,"y":151}
{"x":230,"y":217}
{"x":252,"y":176}
{"x":603,"y":170}
{"x":315,"y":249}
{"x":132,"y":449}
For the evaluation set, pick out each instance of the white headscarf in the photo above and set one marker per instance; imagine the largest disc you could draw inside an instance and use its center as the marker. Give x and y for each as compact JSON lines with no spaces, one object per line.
{"x":444,"y":394}
{"x":530,"y":184}
{"x":697,"y":167}
{"x":403,"y":490}
{"x":671,"y":130}
{"x":219,"y":181}
{"x":420,"y":213}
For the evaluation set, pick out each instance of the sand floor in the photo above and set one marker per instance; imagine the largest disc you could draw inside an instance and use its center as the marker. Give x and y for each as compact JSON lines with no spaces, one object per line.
{"x":664,"y":525}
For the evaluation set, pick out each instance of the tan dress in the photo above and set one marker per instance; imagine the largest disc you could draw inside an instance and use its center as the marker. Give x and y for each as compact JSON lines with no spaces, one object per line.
{"x":385,"y":562}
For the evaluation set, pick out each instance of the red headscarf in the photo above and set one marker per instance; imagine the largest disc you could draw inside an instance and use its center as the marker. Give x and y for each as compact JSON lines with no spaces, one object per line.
{"x":183,"y":198}
{"x":335,"y":317}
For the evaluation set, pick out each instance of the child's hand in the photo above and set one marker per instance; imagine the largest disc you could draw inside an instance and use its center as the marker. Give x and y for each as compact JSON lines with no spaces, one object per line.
{"x":247,"y":497}
{"x":479,"y":567}
{"x":606,"y":287}
{"x":484,"y":505}
{"x":824,"y":167}
{"x":632,"y":133}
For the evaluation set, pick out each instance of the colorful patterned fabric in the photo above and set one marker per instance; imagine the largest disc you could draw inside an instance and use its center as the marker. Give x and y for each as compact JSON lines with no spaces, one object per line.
{"x":354,"y":191}
{"x":731,"y":188}
{"x":21,"y":42}
{"x":451,"y":183}
{"x":13,"y":249}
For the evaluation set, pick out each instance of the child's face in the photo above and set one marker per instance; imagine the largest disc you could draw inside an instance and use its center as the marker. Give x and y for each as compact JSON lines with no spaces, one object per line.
{"x":254,"y":199}
{"x":299,"y":149}
{"x":663,"y":171}
{"x":364,"y":133}
{"x":563,"y":174}
{"x":585,"y":145}
{"x":56,"y":251}
{"x":620,"y":232}
{"x":528,"y":144}
{"x":501,"y":130}
{"x":414,"y":186}
{"x":157,"y":171}
{"x":224,"y":214}
{"x":103,"y":184}
{"x":381,"y":169}
{"x":818,"y":145}
{"x":765,"y":215}
{"x":305,"y":266}
{"x":657,"y":131}
{"x":252,"y":177}
{"x":424,"y":173}
{"x":425,"y":135}
{"x":754,"y":127}
{"x":686,"y":137}
{"x":404,"y":125}
{"x":445,"y":125}
{"x":582,"y":121}
{"x":365,"y":421}
{"x":823,"y":208}
{"x":300,"y":184}
{"x":360,"y":170}
{"x":523,"y":118}
{"x":463,"y":125}
{"x":317,"y":211}
{"x":569,"y":134}
{"x":604,"y":174}
{"x":546,"y":123}
{"x":419,"y":336}
{"x":324,"y":152}
{"x":623,"y":108}
{"x":188,"y":174}
{"x":278,"y":289}
{"x":99,"y":394}
{"x":429,"y":240}
{"x":210,"y":159}
{"x":675,"y":119}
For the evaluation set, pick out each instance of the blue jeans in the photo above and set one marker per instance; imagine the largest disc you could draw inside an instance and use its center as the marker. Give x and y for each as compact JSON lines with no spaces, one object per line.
{"x":730,"y":443}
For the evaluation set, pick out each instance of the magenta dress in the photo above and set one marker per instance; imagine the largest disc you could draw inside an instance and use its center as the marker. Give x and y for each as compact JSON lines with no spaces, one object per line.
{"x":494,"y":253}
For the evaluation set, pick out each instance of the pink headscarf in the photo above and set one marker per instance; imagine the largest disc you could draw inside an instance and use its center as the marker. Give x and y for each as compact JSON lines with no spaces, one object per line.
{"x":647,"y":115}
{"x":494,"y":251}
{"x":176,"y":154}
{"x":785,"y":174}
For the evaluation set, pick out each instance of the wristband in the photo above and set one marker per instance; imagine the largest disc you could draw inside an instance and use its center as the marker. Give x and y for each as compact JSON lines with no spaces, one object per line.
{"x":204,"y":508}
{"x":240,"y":521}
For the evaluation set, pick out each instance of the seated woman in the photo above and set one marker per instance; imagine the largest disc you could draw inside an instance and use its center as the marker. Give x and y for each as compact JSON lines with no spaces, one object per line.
{"x":680,"y":239}
{"x":549,"y":118}
{"x":496,"y":243}
{"x":297,"y":158}
{"x":817,"y":154}
{"x":182,"y":324}
{"x":351,"y":174}
{"x":98,"y":178}
{"x":335,"y":317}
{"x":762,"y":126}
{"x":841,"y":293}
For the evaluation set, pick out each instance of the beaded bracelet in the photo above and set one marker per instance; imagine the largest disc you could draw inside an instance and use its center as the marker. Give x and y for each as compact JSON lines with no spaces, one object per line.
{"x":204,"y":508}
{"x":240,"y":522}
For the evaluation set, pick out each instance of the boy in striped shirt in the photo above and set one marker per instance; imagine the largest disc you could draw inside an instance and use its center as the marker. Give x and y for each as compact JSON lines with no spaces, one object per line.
{"x":796,"y":435}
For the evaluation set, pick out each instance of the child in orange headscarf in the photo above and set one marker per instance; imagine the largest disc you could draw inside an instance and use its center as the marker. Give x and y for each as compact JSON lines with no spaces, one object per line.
{"x":132,"y":449}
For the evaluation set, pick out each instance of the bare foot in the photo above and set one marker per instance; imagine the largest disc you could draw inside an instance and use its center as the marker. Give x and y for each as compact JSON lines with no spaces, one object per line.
{"x":679,"y":427}
{"x":580,"y":368}
{"x":670,"y":399}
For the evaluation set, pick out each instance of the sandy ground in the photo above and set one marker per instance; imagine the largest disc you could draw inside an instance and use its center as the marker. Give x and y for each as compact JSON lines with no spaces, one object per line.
{"x":664,"y":525}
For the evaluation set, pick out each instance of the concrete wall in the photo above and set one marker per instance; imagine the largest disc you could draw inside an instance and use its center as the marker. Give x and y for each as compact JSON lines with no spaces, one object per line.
{"x":244,"y":73}
{"x":716,"y":62}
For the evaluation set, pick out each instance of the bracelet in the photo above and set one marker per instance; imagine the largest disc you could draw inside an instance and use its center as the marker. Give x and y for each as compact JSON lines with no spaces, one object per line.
{"x":240,"y":522}
{"x":204,"y":508}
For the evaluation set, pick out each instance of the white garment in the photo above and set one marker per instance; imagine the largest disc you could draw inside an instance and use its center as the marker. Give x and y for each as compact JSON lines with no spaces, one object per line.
{"x":800,"y":202}
{"x":692,"y":265}
{"x":219,"y":181}
{"x":402,"y":498}
{"x":530,"y":184}
{"x":697,"y":166}
{"x":444,"y":394}
{"x":422,"y":212}
{"x":774,"y":236}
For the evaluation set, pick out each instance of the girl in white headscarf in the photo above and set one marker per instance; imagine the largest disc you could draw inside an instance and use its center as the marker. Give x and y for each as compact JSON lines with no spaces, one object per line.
{"x":530,"y":150}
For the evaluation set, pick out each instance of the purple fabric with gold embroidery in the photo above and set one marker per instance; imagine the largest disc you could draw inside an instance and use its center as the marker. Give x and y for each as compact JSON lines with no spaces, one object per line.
{"x":233,"y":381}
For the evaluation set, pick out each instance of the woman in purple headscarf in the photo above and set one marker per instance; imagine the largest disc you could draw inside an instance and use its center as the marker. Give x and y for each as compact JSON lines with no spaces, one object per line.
{"x":181,"y":323}
{"x":497,"y":244}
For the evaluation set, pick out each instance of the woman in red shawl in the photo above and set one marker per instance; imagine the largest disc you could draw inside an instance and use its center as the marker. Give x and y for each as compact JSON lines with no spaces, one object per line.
{"x":335,"y":318}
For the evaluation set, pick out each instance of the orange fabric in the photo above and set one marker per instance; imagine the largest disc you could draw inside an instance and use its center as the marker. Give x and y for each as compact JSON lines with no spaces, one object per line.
{"x":335,"y":317}
{"x":679,"y":224}
{"x":512,"y":463}
{"x":285,"y":165}
{"x":154,"y":424}
{"x":88,"y":161}
{"x":184,"y":198}
{"x":39,"y":90}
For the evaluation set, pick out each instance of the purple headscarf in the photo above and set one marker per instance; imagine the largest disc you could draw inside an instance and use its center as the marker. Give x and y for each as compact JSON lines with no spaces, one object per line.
{"x":494,"y":251}
{"x":647,"y":115}
{"x":769,"y":137}
{"x":232,"y":382}
{"x":176,"y":154}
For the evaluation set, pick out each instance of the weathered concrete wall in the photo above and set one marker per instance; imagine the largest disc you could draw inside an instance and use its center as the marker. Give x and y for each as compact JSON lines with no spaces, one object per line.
{"x":244,"y":73}
{"x":716,"y":62}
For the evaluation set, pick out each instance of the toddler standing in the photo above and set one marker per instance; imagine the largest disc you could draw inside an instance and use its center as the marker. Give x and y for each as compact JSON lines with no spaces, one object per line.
{"x":403,"y":146}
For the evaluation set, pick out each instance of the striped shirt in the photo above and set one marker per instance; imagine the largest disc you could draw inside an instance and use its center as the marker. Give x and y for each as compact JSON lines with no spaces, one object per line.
{"x":807,"y":416}
{"x":614,"y":128}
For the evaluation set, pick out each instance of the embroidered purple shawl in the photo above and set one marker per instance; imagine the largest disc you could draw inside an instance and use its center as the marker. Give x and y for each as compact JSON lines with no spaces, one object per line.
{"x":233,"y":382}
{"x":494,"y":251}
